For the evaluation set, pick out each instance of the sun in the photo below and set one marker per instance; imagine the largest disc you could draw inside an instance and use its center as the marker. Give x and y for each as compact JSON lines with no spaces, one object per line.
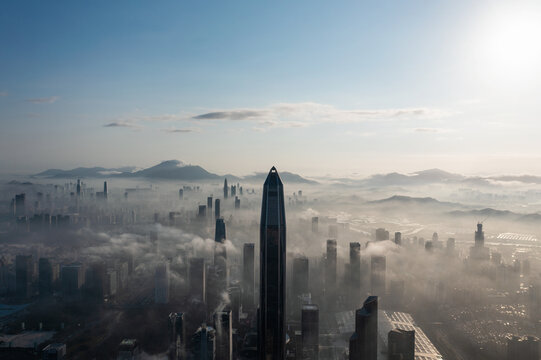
{"x":507,"y":43}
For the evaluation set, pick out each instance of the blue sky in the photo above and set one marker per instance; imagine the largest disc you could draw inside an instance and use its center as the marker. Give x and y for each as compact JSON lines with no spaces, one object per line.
{"x":310,"y":86}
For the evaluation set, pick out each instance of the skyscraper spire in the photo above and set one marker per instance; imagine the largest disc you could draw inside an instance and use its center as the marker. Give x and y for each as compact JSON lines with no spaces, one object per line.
{"x":272,"y":334}
{"x":226,"y":189}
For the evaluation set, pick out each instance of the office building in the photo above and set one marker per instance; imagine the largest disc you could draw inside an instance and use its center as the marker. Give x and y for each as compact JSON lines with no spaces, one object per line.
{"x":398,"y":238}
{"x":177,"y":336}
{"x":129,"y":349}
{"x":330,"y":267}
{"x":310,"y":332}
{"x":248,"y":276}
{"x":209,"y":204}
{"x":315,"y":224}
{"x":197,"y":276}
{"x":271,"y":324}
{"x":45,"y":277}
{"x":363,"y":343}
{"x":226,"y":189}
{"x":224,"y":335}
{"x":162,"y":283}
{"x":378,"y":269}
{"x":203,"y":343}
{"x":382,"y":234}
{"x":72,"y":279}
{"x":217,"y":208}
{"x":24,"y":274}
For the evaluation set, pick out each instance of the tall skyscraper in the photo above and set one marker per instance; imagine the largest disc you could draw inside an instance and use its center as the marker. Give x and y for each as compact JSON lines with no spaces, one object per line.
{"x":398,"y":238}
{"x":45,"y":277}
{"x":209,"y":204}
{"x":310,"y":332}
{"x":220,"y":255}
{"x":363,"y":344}
{"x":24,"y":272}
{"x":177,"y":336}
{"x":203,"y":343}
{"x":224,"y":335}
{"x":217,"y":208}
{"x":330,"y":267}
{"x":272,"y":326}
{"x":226,"y":189}
{"x":162,"y":283}
{"x":105,"y":189}
{"x":479,"y":251}
{"x":197,"y":276}
{"x":355,"y":269}
{"x":315,"y":223}
{"x":248,"y":276}
{"x":78,"y":187}
{"x":378,"y":267}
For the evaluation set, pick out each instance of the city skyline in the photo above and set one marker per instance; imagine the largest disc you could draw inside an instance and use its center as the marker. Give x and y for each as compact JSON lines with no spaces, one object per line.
{"x":353,"y":86}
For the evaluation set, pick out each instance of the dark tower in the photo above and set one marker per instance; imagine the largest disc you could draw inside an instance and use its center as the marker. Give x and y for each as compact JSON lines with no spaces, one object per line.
{"x":479,"y":236}
{"x":209,"y":204}
{"x":226,"y":189}
{"x":355,"y":270}
{"x":78,"y":187}
{"x":272,"y":327}
{"x":310,"y":332}
{"x":401,"y":344}
{"x":330,"y":267}
{"x":248,"y":276}
{"x":105,"y":189}
{"x":363,"y":344}
{"x":217,"y":208}
{"x":220,"y":254}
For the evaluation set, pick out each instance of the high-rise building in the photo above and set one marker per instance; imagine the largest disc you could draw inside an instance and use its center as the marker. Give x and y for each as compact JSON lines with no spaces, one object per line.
{"x":248,"y":276}
{"x":78,"y":187}
{"x":478,"y":251}
{"x":105,"y":189}
{"x":209,"y":204}
{"x":378,"y":267}
{"x":330,"y":267}
{"x":382,"y":234}
{"x":203,"y":343}
{"x":401,"y":344}
{"x":355,"y":269}
{"x":220,"y":254}
{"x":180,"y":193}
{"x":162,"y":283}
{"x":197,"y":276}
{"x":363,"y":343}
{"x":224,"y":335}
{"x":177,"y":336}
{"x":315,"y":224}
{"x":19,"y":205}
{"x":272,"y":326}
{"x":45,"y":277}
{"x":300,"y":276}
{"x":217,"y":208}
{"x":310,"y":332}
{"x":523,"y":348}
{"x":129,"y":349}
{"x":72,"y":279}
{"x":226,"y":189}
{"x":24,"y":273}
{"x":202,"y":211}
{"x":398,"y":238}
{"x":237,"y":202}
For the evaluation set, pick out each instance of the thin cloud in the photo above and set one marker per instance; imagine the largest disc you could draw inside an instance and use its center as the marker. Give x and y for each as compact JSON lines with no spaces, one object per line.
{"x":45,"y":100}
{"x":4,"y":93}
{"x":231,"y":115}
{"x":287,"y":115}
{"x":179,"y":131}
{"x":432,"y":130}
{"x":122,"y":124}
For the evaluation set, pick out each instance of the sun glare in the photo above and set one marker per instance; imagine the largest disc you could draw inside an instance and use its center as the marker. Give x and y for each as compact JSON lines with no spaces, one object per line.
{"x":508,"y":45}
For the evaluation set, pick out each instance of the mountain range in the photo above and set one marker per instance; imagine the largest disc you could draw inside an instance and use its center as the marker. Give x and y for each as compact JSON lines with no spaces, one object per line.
{"x":166,"y":170}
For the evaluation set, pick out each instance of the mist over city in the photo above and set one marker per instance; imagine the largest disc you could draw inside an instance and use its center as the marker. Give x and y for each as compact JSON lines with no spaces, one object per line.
{"x":235,"y":180}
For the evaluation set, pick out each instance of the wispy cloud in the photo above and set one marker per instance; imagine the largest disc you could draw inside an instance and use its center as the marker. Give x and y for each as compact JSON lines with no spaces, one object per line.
{"x":45,"y":100}
{"x":179,"y":131}
{"x":309,"y":113}
{"x":432,"y":130}
{"x":122,"y":124}
{"x":4,"y":93}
